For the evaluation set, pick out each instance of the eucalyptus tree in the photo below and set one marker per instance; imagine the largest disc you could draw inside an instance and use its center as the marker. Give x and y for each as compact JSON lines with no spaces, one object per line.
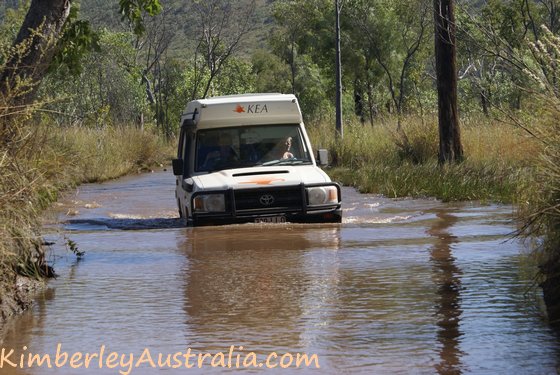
{"x":304,"y":40}
{"x":271,"y":73}
{"x":221,"y":26}
{"x":395,"y":32}
{"x":450,"y":147}
{"x":105,"y":91}
{"x":491,"y":39}
{"x":292,"y":17}
{"x":486,"y":35}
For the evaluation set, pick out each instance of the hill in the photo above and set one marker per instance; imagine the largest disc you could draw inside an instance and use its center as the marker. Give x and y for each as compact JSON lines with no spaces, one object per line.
{"x":176,"y":18}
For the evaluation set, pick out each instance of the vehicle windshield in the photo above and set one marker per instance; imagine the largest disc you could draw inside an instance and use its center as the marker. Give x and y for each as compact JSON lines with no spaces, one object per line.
{"x":250,"y":146}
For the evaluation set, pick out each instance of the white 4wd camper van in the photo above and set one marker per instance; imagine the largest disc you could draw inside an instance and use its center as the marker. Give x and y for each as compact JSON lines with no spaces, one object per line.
{"x":247,"y":158}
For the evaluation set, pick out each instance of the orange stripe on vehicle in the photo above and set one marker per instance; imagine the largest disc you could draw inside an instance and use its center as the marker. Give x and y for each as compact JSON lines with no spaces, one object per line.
{"x":262,"y":181}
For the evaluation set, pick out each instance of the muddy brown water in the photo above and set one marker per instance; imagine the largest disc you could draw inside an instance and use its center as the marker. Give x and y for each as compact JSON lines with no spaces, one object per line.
{"x":401,"y":286}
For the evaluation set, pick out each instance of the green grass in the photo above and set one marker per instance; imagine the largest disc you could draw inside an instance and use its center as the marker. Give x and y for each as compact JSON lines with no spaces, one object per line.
{"x":376,"y":160}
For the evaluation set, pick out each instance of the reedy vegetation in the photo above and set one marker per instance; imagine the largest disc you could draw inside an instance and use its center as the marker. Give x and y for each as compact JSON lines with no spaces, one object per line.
{"x":541,"y":196}
{"x":375,"y":160}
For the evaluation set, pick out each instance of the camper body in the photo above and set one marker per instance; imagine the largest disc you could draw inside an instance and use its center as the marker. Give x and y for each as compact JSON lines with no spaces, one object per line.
{"x":247,"y":158}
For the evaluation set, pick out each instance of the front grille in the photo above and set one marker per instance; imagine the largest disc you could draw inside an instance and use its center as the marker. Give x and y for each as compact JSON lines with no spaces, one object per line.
{"x":269,"y":199}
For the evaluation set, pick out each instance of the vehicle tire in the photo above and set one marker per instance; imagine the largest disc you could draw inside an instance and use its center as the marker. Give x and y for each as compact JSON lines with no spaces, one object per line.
{"x":179,"y":208}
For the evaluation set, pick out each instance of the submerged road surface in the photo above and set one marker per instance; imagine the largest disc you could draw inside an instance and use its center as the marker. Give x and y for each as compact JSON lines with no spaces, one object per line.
{"x":402,"y":286}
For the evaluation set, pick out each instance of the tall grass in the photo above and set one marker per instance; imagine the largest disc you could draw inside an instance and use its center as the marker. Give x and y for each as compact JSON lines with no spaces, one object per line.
{"x":37,"y":162}
{"x":541,"y":197}
{"x":379,"y":159}
{"x":94,"y":155}
{"x":541,"y":211}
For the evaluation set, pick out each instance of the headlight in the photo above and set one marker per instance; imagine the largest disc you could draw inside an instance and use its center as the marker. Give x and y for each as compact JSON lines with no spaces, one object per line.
{"x":209,"y":203}
{"x":322,"y":195}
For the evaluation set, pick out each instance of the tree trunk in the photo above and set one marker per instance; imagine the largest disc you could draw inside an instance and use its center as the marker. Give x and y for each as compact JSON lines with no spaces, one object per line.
{"x":293,"y":66}
{"x":359,"y":101}
{"x":450,"y":148}
{"x":338,"y":68}
{"x":484,"y":103}
{"x":34,"y":50}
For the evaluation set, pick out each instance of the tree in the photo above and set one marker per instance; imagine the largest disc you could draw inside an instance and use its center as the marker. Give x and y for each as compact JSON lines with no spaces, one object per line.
{"x":395,"y":32}
{"x":338,"y":73}
{"x":152,"y":47}
{"x":34,"y":49}
{"x":487,"y":38}
{"x":450,"y":148}
{"x":271,"y":73}
{"x":221,"y":25}
{"x":106,"y":91}
{"x":304,"y":40}
{"x":39,"y":39}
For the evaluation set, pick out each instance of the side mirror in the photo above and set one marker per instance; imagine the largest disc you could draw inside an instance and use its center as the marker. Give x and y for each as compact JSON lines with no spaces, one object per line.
{"x":177,"y":167}
{"x":323,"y":157}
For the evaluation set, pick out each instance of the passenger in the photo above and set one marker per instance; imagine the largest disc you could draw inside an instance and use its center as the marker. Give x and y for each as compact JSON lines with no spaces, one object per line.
{"x":287,"y":153}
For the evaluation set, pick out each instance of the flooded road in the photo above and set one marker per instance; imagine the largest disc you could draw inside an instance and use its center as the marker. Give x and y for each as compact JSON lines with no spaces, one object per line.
{"x":406,"y":286}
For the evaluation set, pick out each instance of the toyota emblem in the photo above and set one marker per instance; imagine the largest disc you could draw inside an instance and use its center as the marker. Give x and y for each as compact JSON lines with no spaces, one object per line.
{"x":266,"y":199}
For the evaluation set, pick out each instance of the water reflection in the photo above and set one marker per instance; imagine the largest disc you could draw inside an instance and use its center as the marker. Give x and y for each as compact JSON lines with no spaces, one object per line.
{"x":251,"y":285}
{"x":19,"y":333}
{"x":446,"y":276}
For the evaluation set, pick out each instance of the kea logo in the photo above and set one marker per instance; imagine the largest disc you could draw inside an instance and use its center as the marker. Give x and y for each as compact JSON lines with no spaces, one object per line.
{"x":239,"y":109}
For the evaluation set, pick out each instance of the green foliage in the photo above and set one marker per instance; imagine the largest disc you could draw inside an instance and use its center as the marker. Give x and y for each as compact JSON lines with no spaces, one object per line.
{"x":384,"y":46}
{"x":106,"y":91}
{"x":506,"y":19}
{"x":169,"y":96}
{"x":73,"y":247}
{"x":132,"y":10}
{"x":542,"y":196}
{"x":77,"y":39}
{"x":395,"y":36}
{"x":303,"y":41}
{"x":312,"y":87}
{"x":236,"y":77}
{"x":377,"y":37}
{"x":271,"y":73}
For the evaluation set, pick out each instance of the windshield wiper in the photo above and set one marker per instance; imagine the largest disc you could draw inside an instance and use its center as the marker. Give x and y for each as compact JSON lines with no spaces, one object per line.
{"x":286,"y":162}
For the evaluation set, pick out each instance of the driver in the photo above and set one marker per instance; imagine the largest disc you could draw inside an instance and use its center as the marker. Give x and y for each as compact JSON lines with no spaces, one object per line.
{"x":224,"y":154}
{"x":287,"y":153}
